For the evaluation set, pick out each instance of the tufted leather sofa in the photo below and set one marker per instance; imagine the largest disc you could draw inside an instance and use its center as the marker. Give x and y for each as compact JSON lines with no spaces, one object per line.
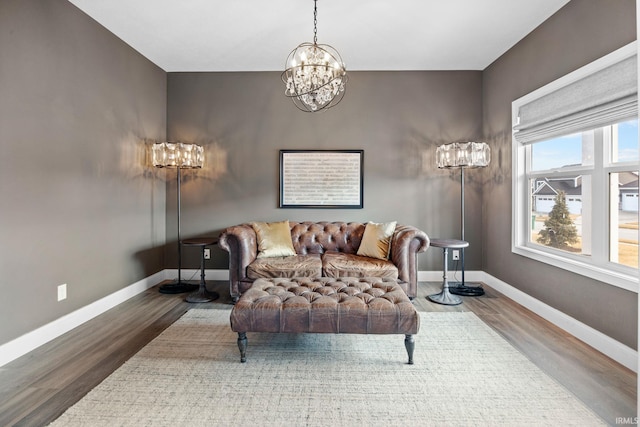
{"x":324,"y":249}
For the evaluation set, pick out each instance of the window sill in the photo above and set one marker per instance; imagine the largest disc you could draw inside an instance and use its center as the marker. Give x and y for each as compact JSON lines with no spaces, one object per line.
{"x":619,"y":279}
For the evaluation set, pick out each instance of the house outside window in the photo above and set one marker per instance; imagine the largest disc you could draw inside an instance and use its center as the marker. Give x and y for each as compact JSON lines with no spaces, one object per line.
{"x":575,"y":181}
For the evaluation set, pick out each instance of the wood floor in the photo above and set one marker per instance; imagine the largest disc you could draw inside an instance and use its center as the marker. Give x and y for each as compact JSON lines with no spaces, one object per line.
{"x":38,"y":387}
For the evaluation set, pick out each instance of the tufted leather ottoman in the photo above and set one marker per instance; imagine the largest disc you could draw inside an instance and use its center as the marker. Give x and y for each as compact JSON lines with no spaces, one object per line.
{"x":346,"y":305}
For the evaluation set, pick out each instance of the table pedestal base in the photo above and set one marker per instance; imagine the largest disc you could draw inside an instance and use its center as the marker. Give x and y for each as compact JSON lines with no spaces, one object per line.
{"x":202,"y":295}
{"x":444,"y":297}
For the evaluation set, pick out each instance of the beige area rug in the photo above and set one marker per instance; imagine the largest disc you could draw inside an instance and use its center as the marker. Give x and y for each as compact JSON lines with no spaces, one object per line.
{"x":464,"y":375}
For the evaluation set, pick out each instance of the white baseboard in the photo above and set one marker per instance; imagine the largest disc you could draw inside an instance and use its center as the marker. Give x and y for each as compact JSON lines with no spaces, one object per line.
{"x":32,"y":340}
{"x":192,"y":274}
{"x":604,"y":344}
{"x":436,"y":276}
{"x":619,"y":352}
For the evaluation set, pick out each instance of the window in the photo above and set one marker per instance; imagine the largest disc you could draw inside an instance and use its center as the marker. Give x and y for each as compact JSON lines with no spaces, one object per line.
{"x":575,"y":163}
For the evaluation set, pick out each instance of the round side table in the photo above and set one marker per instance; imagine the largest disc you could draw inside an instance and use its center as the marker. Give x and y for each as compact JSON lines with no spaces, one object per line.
{"x":201,"y":295}
{"x":444,"y":296}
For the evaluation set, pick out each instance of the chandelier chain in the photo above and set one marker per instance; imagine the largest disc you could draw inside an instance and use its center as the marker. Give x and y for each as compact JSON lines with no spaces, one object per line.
{"x":315,"y":21}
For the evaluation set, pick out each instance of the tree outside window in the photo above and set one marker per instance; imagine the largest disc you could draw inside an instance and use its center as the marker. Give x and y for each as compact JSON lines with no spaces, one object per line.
{"x":559,"y":230}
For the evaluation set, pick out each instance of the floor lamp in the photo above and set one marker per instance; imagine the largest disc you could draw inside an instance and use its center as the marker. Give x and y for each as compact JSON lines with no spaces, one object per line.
{"x":463,"y":155}
{"x":178,"y":156}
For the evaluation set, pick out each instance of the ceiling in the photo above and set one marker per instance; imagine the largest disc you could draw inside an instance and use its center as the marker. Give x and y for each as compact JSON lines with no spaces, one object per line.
{"x":257,"y":35}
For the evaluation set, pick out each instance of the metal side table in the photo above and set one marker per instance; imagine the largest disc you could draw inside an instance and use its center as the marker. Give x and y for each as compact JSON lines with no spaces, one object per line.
{"x":202,"y":294}
{"x":445,"y":297}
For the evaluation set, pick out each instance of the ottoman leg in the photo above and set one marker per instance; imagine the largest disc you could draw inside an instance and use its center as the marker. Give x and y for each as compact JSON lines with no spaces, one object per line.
{"x":410,"y":345}
{"x":242,"y":345}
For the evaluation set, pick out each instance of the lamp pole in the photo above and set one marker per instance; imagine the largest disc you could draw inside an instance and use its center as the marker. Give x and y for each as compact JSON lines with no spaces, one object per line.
{"x":179,"y":239}
{"x":179,"y":156}
{"x":179,"y":286}
{"x":462,"y":218}
{"x":462,"y":155}
{"x":461,"y":288}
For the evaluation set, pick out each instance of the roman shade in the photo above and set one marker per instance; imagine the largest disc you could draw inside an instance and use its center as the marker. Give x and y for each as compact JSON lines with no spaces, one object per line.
{"x":606,"y":96}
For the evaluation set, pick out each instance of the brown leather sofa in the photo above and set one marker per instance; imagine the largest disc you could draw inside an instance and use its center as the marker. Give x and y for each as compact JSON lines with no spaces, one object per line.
{"x":324,"y":249}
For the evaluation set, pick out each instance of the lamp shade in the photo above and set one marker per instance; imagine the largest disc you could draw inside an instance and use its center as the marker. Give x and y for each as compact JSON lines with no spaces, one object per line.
{"x":463,"y":154}
{"x":178,"y":155}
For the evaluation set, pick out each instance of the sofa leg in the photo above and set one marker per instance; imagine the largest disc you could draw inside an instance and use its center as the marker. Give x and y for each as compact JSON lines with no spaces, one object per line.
{"x":410,"y":345}
{"x":242,"y":345}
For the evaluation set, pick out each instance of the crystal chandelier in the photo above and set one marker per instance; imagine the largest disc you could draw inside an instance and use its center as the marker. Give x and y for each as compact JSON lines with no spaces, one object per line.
{"x":315,"y":76}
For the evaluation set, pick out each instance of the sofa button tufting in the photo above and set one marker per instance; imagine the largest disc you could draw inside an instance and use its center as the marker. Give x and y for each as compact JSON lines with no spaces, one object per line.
{"x":321,"y":248}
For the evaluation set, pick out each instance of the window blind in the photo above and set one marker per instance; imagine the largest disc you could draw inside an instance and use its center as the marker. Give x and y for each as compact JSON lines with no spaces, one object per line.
{"x":605,"y":97}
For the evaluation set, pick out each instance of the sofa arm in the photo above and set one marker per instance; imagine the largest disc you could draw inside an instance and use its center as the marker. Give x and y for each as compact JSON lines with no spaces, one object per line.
{"x":407,"y":243}
{"x":241,"y":243}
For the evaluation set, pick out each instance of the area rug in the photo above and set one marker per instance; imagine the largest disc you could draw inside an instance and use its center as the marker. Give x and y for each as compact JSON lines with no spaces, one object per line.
{"x":464,"y":374}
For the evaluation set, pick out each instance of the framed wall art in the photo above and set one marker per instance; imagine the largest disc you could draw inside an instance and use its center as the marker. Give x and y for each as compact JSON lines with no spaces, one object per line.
{"x":321,"y":179}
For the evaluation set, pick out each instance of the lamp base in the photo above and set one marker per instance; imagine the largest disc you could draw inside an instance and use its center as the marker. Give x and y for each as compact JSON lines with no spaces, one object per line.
{"x":177,"y":288}
{"x":458,"y":288}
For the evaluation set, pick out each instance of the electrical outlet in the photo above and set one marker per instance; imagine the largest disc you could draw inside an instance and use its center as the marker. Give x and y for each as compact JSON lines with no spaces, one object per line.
{"x":455,"y":255}
{"x":207,"y":253}
{"x":62,"y":292}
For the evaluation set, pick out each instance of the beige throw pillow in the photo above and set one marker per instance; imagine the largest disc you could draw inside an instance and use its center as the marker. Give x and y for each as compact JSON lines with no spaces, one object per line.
{"x":274,"y":239}
{"x":376,"y":240}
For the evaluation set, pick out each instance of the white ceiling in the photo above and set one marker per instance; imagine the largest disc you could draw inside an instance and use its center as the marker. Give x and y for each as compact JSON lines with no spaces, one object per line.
{"x":257,"y":35}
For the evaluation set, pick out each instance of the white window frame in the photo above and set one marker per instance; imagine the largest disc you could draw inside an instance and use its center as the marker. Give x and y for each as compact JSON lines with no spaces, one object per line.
{"x":597,"y":266}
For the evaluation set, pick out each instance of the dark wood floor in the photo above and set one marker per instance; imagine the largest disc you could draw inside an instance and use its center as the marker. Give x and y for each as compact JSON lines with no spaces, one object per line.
{"x":38,"y":387}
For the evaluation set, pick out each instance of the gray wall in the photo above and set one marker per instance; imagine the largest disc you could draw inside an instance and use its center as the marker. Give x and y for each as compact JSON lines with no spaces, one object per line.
{"x":579,"y":33}
{"x":77,"y":204}
{"x":244,"y":119}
